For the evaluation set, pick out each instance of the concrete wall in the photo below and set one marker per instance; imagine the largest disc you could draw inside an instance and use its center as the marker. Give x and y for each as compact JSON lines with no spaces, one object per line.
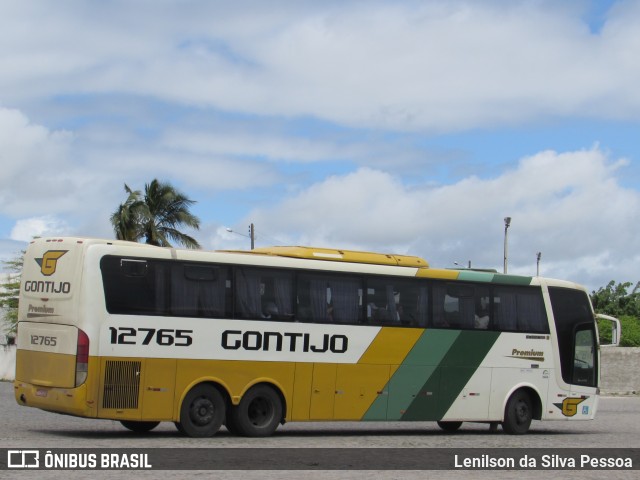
{"x":7,"y":362}
{"x":620,"y":372}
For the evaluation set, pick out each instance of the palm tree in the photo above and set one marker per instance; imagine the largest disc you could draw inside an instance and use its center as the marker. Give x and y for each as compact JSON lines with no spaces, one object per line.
{"x":156,"y":216}
{"x":126,"y":219}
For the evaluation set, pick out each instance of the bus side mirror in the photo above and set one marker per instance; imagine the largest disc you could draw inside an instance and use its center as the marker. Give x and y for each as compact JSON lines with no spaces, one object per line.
{"x":615,"y":329}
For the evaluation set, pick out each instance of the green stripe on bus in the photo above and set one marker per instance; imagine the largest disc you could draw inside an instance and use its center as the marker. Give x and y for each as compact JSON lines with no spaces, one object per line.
{"x":511,"y":279}
{"x":451,"y":375}
{"x":490,"y":277}
{"x":415,"y":371}
{"x":471,"y":276}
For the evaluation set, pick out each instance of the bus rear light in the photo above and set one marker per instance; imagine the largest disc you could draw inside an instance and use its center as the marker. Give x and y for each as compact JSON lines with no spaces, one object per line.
{"x":82,"y":358}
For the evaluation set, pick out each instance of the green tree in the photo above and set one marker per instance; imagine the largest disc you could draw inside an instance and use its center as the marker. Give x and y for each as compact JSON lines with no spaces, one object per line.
{"x":9,"y":291}
{"x":155,"y":216}
{"x":615,"y":300}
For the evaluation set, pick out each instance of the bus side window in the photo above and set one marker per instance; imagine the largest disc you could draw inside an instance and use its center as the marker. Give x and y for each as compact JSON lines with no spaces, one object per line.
{"x":277,"y":295}
{"x":133,"y":286}
{"x":264,"y":294}
{"x":482,"y":317}
{"x":393,"y":301}
{"x":330,"y":298}
{"x":519,"y":309}
{"x":198,"y":290}
{"x":440,"y":315}
{"x":303,"y":301}
{"x":422,"y":306}
{"x":462,"y":306}
{"x":459,"y":306}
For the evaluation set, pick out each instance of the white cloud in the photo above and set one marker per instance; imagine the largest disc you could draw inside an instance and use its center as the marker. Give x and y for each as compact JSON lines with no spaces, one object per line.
{"x":26,"y":145}
{"x":268,"y":145}
{"x":35,"y":164}
{"x":570,"y":206}
{"x":401,"y":65}
{"x":25,"y":229}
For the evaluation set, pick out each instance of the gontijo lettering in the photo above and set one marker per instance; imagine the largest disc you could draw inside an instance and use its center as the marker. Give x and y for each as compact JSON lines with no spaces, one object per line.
{"x":276,"y":341}
{"x":39,"y":286}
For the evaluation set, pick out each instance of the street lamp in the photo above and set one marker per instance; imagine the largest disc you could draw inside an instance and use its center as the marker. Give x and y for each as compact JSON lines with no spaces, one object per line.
{"x":507,"y":223}
{"x":251,"y":236}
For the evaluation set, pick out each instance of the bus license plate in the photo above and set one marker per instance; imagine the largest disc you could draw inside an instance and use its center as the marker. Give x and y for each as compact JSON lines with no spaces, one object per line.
{"x":41,"y":393}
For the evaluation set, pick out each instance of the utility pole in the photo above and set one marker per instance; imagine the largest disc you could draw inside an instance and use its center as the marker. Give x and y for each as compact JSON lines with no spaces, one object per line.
{"x":252,"y":236}
{"x":507,"y":223}
{"x":538,"y":255}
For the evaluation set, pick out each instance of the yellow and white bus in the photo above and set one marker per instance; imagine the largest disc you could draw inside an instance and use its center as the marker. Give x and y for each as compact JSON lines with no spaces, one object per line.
{"x":142,"y":334}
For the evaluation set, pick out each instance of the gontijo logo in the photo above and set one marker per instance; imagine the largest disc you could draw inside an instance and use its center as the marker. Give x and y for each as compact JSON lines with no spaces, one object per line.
{"x":49,"y":261}
{"x":569,"y":406}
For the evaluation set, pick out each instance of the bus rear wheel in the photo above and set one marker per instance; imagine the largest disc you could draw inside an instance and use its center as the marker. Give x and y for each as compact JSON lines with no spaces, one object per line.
{"x":449,"y":426}
{"x":518,"y":413}
{"x":202,"y":412}
{"x":139,"y":427}
{"x":258,"y":414}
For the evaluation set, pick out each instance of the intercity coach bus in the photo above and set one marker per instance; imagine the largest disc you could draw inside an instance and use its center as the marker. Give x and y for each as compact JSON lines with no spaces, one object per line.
{"x":250,"y":340}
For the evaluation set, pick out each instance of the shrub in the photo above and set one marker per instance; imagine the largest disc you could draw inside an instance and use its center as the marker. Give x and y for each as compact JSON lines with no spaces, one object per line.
{"x":630,"y":327}
{"x":630,"y":331}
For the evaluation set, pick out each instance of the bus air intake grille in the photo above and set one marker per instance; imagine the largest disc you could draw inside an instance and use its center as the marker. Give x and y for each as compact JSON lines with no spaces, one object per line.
{"x":121,"y":385}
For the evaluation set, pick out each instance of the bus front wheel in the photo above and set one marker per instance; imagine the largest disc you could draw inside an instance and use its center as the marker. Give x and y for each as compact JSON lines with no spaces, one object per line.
{"x":139,"y":427}
{"x":518,"y":413}
{"x":202,"y":412}
{"x":258,"y":414}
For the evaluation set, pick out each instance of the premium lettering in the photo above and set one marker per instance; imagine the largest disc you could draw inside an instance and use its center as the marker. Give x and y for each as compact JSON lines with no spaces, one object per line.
{"x":526,"y":353}
{"x":253,"y":340}
{"x":43,"y":309}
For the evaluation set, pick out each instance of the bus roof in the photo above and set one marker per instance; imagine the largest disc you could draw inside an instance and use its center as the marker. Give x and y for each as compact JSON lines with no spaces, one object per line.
{"x":351,"y":256}
{"x":342,"y":256}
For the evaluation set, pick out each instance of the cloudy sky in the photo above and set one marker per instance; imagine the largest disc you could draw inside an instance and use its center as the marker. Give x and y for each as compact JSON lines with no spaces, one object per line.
{"x":398,"y":126}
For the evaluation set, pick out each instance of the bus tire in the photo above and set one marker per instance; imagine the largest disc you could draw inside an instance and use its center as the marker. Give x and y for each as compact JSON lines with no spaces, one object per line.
{"x":139,"y":427}
{"x":230,"y":422}
{"x":518,"y":413}
{"x":449,"y":426}
{"x":179,"y":427}
{"x":258,"y":414}
{"x":202,"y":411}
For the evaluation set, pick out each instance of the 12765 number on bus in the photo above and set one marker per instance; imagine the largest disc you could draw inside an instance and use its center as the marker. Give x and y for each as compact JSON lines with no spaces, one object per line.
{"x":146,"y":336}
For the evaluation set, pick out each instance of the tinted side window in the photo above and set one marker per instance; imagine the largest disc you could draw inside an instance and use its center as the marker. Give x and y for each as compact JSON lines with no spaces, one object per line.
{"x":264,"y":294}
{"x":461,"y":305}
{"x":134,"y":286}
{"x":584,"y":361}
{"x":571,"y":309}
{"x":519,"y":309}
{"x":199,"y":290}
{"x":327,"y":298}
{"x":394,"y":301}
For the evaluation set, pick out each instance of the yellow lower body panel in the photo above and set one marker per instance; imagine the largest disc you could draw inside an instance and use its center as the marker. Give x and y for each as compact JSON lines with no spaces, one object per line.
{"x":153,"y":389}
{"x":47,"y":394}
{"x":46,"y":369}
